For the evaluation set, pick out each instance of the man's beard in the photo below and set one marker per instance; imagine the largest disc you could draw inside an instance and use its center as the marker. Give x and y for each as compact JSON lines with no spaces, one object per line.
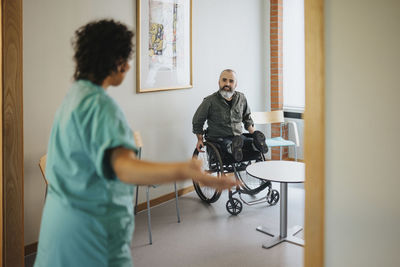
{"x":226,"y":94}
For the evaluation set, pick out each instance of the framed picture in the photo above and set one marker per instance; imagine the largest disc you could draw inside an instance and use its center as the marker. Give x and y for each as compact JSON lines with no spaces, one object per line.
{"x":163,"y":45}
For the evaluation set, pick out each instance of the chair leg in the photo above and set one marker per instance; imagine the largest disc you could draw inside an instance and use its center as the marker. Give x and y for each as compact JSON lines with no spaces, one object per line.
{"x":136,"y":200}
{"x":176,"y":204}
{"x":148,"y":216}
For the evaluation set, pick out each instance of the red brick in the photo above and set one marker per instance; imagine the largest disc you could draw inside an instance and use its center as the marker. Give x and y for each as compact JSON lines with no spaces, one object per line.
{"x":276,"y":60}
{"x":274,"y":2}
{"x":274,"y":24}
{"x":275,"y":7}
{"x":278,"y":19}
{"x":277,"y":71}
{"x":277,"y":83}
{"x":276,"y":53}
{"x":276,"y":36}
{"x":276,"y":13}
{"x":276,"y":106}
{"x":275,"y":77}
{"x":276,"y":31}
{"x":276,"y":65}
{"x":277,"y":93}
{"x":276,"y":88}
{"x":276,"y":42}
{"x":275,"y":48}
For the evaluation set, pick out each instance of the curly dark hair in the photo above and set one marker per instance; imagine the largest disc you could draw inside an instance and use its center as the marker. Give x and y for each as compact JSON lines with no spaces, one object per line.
{"x":100,"y":47}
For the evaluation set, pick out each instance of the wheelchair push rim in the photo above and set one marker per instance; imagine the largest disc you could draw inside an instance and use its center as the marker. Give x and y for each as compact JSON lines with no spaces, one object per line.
{"x":212,"y":163}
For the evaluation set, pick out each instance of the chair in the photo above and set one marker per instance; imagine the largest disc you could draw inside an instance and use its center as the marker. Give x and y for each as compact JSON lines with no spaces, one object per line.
{"x":276,"y":116}
{"x":139,"y":145}
{"x":42,"y":166}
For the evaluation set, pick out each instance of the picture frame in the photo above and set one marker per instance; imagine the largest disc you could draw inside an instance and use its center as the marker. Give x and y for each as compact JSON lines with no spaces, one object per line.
{"x":163,"y":45}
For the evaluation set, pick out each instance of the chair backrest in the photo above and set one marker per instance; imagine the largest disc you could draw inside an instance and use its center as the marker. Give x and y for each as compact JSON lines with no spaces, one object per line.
{"x":42,"y":166}
{"x":267,"y":117}
{"x":138,"y":141}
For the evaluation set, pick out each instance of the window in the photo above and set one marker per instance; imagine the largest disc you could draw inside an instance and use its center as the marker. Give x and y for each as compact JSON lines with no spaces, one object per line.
{"x":293,"y":56}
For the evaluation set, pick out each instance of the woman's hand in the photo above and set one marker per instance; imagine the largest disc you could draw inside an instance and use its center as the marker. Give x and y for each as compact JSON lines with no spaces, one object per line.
{"x":193,"y":170}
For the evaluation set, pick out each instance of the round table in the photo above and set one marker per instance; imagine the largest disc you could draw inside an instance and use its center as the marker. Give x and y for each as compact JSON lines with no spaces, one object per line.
{"x":283,"y":172}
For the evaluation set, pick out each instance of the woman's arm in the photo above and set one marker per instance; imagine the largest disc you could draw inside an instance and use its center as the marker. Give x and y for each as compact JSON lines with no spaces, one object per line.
{"x":131,"y":170}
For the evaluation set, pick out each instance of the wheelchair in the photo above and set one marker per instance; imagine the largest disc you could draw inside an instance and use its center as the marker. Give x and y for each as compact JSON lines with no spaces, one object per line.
{"x":217,"y":162}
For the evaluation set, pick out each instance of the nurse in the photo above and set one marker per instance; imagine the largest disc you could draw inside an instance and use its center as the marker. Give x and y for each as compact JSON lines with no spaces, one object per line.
{"x":91,"y":164}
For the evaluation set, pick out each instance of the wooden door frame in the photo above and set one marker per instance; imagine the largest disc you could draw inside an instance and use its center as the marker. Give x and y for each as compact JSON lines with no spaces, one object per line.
{"x":314,"y":133}
{"x":12,"y":154}
{"x":1,"y":135}
{"x":11,"y":115}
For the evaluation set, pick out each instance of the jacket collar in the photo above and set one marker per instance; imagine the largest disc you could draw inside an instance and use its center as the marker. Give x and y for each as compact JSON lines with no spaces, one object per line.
{"x":234,"y":97}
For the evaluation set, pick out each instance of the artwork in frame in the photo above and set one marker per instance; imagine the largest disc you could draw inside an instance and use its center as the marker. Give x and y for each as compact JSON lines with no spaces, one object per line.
{"x":163,"y":45}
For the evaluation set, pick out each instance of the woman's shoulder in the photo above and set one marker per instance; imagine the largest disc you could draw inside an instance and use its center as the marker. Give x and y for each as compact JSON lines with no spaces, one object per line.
{"x":88,"y":95}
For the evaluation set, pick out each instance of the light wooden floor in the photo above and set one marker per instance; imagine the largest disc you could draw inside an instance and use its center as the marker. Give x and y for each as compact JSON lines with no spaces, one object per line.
{"x":209,"y":236}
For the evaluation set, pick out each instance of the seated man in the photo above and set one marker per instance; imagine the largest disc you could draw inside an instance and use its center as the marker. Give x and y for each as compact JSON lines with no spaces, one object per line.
{"x":225,"y":111}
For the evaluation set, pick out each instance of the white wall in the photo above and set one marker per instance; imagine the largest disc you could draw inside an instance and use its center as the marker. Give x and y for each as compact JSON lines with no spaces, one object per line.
{"x":226,"y":34}
{"x":362,"y":133}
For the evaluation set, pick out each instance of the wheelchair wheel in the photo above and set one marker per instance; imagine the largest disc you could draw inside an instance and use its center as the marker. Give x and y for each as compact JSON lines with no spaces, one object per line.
{"x":273,"y":197}
{"x":212,"y":164}
{"x":234,"y":206}
{"x":252,"y":185}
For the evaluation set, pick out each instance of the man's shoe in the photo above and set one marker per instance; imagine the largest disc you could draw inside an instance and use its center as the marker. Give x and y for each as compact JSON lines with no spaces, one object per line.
{"x":237,"y":144}
{"x":259,"y":142}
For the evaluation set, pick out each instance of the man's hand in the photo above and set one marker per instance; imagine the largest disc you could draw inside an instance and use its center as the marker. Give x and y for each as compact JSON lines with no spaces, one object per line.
{"x":200,"y":145}
{"x":251,"y":129}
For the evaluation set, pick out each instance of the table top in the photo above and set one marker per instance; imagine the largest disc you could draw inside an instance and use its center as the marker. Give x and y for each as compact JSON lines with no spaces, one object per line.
{"x":281,"y":171}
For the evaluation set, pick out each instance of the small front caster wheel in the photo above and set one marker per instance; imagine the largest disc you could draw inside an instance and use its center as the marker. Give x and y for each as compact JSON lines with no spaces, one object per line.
{"x":234,"y":206}
{"x":273,"y":197}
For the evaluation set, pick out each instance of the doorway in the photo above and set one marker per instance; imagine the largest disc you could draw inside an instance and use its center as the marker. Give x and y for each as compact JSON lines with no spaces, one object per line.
{"x":12,"y":157}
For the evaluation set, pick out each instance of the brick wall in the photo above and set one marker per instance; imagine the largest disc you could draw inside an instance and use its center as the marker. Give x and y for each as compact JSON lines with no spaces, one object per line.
{"x":276,"y":44}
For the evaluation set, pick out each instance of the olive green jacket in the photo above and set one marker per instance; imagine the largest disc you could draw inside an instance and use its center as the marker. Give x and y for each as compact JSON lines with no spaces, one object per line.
{"x":222,"y":120}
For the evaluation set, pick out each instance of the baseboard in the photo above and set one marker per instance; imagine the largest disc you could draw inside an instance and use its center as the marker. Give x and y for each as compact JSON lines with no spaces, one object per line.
{"x":32,"y":248}
{"x":164,"y":198}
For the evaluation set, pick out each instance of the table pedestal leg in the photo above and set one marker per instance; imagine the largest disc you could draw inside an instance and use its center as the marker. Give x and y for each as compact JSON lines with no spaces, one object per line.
{"x":278,"y":239}
{"x":284,"y":234}
{"x":265,"y":230}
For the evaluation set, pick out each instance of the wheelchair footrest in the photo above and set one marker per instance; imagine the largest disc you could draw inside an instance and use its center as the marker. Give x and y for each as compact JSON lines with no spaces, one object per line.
{"x":254,"y":191}
{"x":254,"y":202}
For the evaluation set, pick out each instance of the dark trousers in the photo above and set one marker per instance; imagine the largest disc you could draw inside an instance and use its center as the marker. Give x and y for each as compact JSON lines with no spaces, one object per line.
{"x":247,"y":142}
{"x":226,"y":142}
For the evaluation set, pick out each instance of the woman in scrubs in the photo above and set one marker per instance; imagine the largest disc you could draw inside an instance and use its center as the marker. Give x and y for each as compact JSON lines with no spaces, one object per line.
{"x":91,"y":165}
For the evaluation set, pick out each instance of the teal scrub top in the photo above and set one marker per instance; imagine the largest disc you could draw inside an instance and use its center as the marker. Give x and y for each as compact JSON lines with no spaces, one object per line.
{"x":88,"y":215}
